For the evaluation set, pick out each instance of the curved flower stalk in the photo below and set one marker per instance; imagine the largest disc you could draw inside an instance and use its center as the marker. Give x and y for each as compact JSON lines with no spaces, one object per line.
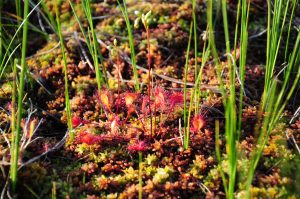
{"x":146,"y":21}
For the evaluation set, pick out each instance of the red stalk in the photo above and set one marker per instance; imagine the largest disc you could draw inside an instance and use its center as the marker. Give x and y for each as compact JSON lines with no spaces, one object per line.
{"x":118,"y":68}
{"x":149,"y":78}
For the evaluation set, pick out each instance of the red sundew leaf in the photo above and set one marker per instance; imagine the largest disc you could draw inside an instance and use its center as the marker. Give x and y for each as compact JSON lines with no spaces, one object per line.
{"x":114,"y":126}
{"x":159,"y":94}
{"x":76,"y":121}
{"x":144,"y":105}
{"x":91,"y":139}
{"x":86,"y":137}
{"x":139,"y":146}
{"x":105,"y":99}
{"x":176,"y":99}
{"x":130,"y":99}
{"x":198,"y":123}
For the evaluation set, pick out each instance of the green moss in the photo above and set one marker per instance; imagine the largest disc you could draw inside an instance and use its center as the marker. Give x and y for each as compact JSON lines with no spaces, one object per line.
{"x":130,"y":174}
{"x":151,"y":159}
{"x":163,"y":19}
{"x":212,"y":179}
{"x":199,"y":166}
{"x":6,"y":89}
{"x":271,"y":192}
{"x":162,"y":174}
{"x":184,"y":24}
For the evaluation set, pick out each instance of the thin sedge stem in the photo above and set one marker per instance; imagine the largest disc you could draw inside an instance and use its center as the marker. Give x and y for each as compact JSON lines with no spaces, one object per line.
{"x":194,"y":91}
{"x":195,"y":37}
{"x":131,"y":43}
{"x":1,"y":32}
{"x":15,"y":35}
{"x":218,"y":154}
{"x":212,"y":46}
{"x":18,"y":8}
{"x":13,"y":111}
{"x":87,"y":9}
{"x":230,"y":122}
{"x":243,"y":58}
{"x":289,"y":30}
{"x":185,"y":118}
{"x":263,"y":136}
{"x":197,"y":89}
{"x":279,"y":106}
{"x":67,"y":99}
{"x":140,"y":175}
{"x":15,"y":154}
{"x":205,"y":55}
{"x":53,"y":191}
{"x":87,"y":41}
{"x":273,"y":104}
